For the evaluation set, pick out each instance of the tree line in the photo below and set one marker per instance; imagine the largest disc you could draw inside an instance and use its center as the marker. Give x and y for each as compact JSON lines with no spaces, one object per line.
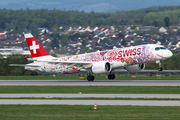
{"x":28,"y":19}
{"x":5,"y":69}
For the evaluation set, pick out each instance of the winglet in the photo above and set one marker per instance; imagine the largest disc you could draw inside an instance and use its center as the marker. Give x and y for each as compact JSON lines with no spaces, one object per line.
{"x":35,"y":47}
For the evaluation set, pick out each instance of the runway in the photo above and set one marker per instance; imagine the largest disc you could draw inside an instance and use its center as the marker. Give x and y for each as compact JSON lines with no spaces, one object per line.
{"x":49,"y":95}
{"x":87,"y":83}
{"x":90,"y":102}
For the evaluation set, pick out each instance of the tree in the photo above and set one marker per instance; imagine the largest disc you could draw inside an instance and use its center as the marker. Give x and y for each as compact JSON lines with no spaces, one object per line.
{"x":64,"y":40}
{"x":123,"y":42}
{"x":120,"y":28}
{"x":2,"y":25}
{"x":170,"y":31}
{"x":2,"y":65}
{"x":138,"y":42}
{"x":34,"y":29}
{"x":105,"y":40}
{"x":14,"y":59}
{"x":133,"y":27}
{"x":16,"y":28}
{"x":155,"y":23}
{"x":46,"y":24}
{"x":178,"y":31}
{"x":167,"y":21}
{"x":45,"y":32}
{"x":27,"y":27}
{"x":53,"y":54}
{"x":55,"y":43}
{"x":163,"y":39}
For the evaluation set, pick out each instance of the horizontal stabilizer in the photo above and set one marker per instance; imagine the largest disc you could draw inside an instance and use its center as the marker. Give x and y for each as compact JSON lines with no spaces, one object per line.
{"x":31,"y":59}
{"x":24,"y":65}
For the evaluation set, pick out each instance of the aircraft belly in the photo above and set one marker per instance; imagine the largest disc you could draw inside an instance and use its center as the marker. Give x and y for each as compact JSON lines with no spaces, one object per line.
{"x":116,"y":65}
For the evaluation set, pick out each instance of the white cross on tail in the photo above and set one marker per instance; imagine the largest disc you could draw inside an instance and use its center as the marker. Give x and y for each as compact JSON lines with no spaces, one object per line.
{"x":34,"y":47}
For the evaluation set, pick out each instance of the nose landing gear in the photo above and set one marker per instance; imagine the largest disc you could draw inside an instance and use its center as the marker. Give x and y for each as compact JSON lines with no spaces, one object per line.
{"x":160,"y":68}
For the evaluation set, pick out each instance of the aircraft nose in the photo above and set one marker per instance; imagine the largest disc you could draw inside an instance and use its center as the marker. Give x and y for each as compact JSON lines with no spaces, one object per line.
{"x":168,"y":54}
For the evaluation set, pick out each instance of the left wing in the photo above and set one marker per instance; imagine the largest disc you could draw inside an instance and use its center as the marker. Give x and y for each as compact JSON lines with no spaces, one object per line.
{"x":79,"y":64}
{"x":71,"y":63}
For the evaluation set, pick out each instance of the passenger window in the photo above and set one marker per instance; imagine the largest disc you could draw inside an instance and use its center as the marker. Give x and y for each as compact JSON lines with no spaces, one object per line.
{"x":157,"y":48}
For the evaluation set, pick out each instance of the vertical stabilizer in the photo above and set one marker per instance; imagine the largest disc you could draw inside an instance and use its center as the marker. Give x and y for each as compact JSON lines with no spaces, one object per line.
{"x":35,"y":48}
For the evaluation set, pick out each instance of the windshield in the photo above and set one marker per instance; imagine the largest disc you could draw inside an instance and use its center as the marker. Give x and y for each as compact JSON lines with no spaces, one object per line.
{"x":160,"y":48}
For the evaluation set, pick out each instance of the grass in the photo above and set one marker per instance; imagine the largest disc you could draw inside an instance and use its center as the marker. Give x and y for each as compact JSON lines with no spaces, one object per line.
{"x":92,"y":89}
{"x":78,"y":78}
{"x":86,"y":112}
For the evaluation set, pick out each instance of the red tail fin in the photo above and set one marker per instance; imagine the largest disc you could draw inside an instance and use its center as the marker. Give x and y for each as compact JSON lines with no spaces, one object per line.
{"x":35,"y":48}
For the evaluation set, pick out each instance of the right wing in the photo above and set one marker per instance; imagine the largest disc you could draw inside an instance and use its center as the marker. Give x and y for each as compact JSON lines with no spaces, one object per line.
{"x":79,"y":64}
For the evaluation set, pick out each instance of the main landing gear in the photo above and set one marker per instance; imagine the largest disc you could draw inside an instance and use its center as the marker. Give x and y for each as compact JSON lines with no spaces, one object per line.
{"x":111,"y":76}
{"x":90,"y":78}
{"x":160,"y":68}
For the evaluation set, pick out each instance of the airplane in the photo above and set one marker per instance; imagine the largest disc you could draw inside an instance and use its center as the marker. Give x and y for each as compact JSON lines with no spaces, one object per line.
{"x":132,"y":59}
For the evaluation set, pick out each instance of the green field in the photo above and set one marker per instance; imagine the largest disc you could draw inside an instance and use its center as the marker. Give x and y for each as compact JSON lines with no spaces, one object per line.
{"x":78,"y":78}
{"x":84,"y":112}
{"x":92,"y":89}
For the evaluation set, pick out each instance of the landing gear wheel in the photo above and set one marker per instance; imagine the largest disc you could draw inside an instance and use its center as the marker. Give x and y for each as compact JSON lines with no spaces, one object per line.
{"x":111,"y":76}
{"x":90,"y":78}
{"x":160,"y":69}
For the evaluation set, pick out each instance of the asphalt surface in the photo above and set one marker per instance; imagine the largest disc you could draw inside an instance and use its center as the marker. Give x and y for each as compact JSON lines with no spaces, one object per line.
{"x":49,"y":95}
{"x":90,"y":102}
{"x":92,"y":83}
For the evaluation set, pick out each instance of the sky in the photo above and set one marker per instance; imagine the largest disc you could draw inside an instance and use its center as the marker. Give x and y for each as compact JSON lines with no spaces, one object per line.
{"x":85,"y":5}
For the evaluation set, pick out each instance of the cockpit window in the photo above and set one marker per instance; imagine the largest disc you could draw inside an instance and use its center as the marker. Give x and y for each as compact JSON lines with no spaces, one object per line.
{"x":163,"y":48}
{"x":160,"y":48}
{"x":157,"y":48}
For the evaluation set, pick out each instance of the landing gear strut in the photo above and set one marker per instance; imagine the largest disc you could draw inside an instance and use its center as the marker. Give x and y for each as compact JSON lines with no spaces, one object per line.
{"x":160,"y":68}
{"x":111,"y":76}
{"x":90,"y":77}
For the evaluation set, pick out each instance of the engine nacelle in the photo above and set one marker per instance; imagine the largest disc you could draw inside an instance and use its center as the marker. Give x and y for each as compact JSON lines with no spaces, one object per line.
{"x":101,"y":67}
{"x":135,"y":68}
